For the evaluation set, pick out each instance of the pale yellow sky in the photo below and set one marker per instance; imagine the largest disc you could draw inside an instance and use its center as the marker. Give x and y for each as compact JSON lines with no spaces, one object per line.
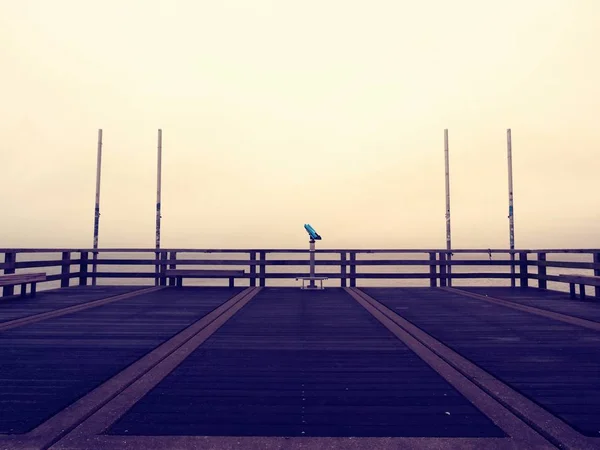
{"x":278,"y":113}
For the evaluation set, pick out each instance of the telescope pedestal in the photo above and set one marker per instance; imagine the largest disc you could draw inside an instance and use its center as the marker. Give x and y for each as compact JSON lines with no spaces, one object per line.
{"x":312,"y":284}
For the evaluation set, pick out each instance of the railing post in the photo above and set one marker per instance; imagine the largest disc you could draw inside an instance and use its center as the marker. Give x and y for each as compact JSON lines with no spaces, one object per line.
{"x":449,"y":268}
{"x":432,"y":270}
{"x":94,"y":267}
{"x":172,"y":265}
{"x":83,"y":269}
{"x":163,"y":268}
{"x":597,"y":273}
{"x":263,"y":269}
{"x":541,"y":258}
{"x":352,"y":269}
{"x":9,"y":260}
{"x":524,"y":276}
{"x":442,"y":269}
{"x":156,"y":268}
{"x":252,"y":269}
{"x":65,"y":269}
{"x":343,"y":269}
{"x":513,"y":280}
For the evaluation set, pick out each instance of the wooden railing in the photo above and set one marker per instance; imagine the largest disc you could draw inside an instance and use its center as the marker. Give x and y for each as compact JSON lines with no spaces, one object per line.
{"x":80,"y":264}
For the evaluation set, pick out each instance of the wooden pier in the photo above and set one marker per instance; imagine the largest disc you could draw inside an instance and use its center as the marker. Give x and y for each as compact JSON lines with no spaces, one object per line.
{"x":441,"y":366}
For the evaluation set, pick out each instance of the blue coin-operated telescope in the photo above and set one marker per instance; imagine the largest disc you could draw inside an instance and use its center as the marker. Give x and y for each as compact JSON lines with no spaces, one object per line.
{"x":314,"y":236}
{"x":311,"y":232}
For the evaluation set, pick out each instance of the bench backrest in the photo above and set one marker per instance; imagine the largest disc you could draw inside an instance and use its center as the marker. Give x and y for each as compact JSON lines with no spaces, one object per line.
{"x":581,"y":279}
{"x":202,"y":273}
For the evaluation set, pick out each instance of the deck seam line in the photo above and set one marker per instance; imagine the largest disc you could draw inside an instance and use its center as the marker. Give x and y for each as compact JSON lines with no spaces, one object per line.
{"x":570,"y":438}
{"x":74,"y":308}
{"x":103,"y":416}
{"x":60,"y":424}
{"x":503,"y":418}
{"x":572,"y":320}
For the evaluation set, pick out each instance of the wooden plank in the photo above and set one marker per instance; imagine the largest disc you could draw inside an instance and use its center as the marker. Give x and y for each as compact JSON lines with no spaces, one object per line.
{"x":22,"y":276}
{"x":14,"y":279}
{"x":127,"y":262}
{"x":125,"y":275}
{"x":303,"y":262}
{"x":335,"y":275}
{"x":35,"y":264}
{"x":324,"y":262}
{"x":59,"y":276}
{"x":584,"y":279}
{"x":565,"y":264}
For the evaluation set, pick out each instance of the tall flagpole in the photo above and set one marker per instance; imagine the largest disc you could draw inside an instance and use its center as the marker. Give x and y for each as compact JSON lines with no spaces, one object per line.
{"x":448,"y":230}
{"x":511,"y":217}
{"x":97,"y":207}
{"x":158,"y":188}
{"x":158,"y":192}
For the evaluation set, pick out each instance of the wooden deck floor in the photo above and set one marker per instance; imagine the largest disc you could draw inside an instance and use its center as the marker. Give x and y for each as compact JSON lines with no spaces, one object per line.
{"x":285,"y":368}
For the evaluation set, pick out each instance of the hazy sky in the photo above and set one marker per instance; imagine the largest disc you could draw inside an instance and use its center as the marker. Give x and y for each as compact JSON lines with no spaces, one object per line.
{"x":278,"y":113}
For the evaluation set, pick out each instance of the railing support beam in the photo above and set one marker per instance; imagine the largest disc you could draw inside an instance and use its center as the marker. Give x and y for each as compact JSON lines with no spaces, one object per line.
{"x":83,"y":269}
{"x":65,"y":269}
{"x":432,"y":270}
{"x":523,"y":275}
{"x":9,"y":260}
{"x":542,"y":282}
{"x":343,"y":278}
{"x":442,"y":263}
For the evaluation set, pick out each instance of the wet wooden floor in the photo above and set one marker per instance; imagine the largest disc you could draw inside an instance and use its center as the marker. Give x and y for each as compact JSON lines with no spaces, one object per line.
{"x":285,"y":368}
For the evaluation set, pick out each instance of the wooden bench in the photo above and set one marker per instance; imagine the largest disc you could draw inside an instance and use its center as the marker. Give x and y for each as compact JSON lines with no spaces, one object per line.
{"x":179,"y":274}
{"x":23,"y":279}
{"x":312,"y":279}
{"x":582,"y":281}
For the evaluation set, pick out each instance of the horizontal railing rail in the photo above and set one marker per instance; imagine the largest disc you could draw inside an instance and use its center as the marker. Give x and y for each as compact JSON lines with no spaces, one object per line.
{"x":84,"y":264}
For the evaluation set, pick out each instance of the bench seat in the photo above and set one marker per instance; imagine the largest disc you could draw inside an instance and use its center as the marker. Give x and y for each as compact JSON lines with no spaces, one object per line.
{"x":581,"y":280}
{"x":23,"y":279}
{"x":321,"y":279}
{"x":180,"y":274}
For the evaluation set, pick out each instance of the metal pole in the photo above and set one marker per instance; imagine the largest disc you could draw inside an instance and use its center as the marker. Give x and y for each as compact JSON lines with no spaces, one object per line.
{"x":312,"y":283}
{"x":158,"y":189}
{"x":97,"y":207}
{"x":511,"y":218}
{"x":448,"y":230}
